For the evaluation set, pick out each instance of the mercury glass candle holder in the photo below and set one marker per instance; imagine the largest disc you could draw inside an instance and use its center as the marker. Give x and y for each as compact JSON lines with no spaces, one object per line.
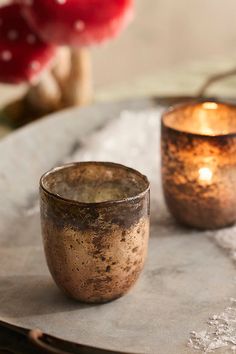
{"x":95,"y":225}
{"x":199,"y":164}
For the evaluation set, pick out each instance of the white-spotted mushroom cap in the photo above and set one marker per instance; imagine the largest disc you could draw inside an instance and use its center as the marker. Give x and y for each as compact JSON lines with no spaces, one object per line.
{"x":78,"y":22}
{"x":23,"y":55}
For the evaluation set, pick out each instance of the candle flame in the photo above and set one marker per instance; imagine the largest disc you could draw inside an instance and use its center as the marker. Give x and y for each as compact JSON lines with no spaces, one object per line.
{"x":205,"y":174}
{"x":210,"y":105}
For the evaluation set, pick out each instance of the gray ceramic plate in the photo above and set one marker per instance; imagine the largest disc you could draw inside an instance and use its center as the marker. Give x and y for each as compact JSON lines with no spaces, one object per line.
{"x":176,"y":294}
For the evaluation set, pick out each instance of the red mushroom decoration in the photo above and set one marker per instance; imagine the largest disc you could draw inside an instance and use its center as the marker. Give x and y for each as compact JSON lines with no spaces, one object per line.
{"x":76,"y":24}
{"x":23,"y":55}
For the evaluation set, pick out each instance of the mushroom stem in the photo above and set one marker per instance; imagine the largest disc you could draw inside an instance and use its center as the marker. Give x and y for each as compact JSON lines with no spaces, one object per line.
{"x":78,"y":89}
{"x":62,"y":67}
{"x":45,"y":96}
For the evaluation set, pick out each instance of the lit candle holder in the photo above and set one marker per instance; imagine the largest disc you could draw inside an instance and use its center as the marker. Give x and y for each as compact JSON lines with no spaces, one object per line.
{"x":199,"y":164}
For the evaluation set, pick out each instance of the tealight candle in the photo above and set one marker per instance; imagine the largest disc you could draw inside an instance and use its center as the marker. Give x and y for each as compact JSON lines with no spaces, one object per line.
{"x":199,"y":164}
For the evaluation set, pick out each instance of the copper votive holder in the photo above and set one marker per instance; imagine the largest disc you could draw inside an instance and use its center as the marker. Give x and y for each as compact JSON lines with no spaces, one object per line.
{"x":95,"y":226}
{"x":199,"y":164}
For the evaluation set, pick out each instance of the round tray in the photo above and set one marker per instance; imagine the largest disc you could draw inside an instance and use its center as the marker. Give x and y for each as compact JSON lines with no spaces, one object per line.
{"x":186,"y":277}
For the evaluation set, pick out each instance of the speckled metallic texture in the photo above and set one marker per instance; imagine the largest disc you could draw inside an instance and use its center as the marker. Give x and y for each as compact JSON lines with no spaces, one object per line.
{"x":95,"y":250}
{"x":199,"y":164}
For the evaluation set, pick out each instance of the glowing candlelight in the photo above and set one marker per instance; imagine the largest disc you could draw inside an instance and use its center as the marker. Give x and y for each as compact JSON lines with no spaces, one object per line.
{"x":205,"y":174}
{"x":199,"y":164}
{"x":210,"y":105}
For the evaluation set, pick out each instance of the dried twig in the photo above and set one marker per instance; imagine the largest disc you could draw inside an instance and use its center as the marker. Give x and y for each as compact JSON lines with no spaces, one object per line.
{"x":213,"y":79}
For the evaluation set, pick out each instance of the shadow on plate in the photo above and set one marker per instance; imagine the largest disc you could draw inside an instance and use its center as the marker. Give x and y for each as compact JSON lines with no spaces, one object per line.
{"x":22,"y":296}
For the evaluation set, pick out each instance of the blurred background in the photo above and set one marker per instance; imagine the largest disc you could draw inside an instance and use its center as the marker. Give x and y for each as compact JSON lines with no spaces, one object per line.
{"x":167,"y":34}
{"x":170,"y":48}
